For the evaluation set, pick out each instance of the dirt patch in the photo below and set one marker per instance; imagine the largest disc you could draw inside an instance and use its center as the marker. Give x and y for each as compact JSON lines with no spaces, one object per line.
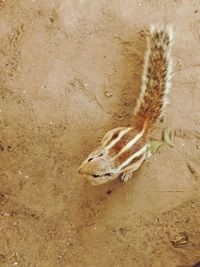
{"x":70,"y":71}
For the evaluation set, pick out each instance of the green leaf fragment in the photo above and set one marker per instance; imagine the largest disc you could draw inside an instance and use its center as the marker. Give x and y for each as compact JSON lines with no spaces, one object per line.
{"x":169,"y":136}
{"x":154,"y":145}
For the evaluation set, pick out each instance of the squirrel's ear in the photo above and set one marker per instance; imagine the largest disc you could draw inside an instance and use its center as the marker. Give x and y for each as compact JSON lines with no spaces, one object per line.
{"x":111,"y":135}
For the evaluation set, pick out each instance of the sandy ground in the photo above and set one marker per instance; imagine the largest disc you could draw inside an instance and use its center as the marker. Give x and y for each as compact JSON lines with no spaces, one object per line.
{"x":58,"y":58}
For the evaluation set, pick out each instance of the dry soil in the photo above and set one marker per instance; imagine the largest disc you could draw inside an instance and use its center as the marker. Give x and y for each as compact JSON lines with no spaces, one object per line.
{"x":60,"y":61}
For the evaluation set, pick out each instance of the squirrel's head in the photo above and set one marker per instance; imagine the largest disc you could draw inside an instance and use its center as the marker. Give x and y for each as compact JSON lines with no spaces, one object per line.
{"x":98,"y":168}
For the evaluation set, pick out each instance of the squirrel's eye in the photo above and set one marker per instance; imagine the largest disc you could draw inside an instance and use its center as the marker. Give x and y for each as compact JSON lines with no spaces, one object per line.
{"x":90,"y":159}
{"x":100,"y":155}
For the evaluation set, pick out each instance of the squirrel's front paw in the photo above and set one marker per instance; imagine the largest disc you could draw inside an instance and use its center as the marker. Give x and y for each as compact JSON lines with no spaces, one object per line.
{"x":126,"y":176}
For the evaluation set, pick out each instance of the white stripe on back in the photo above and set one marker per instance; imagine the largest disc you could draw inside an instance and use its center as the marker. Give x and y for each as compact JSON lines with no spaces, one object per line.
{"x":135,"y":165}
{"x":121,"y":134}
{"x":135,"y":155}
{"x":130,"y":144}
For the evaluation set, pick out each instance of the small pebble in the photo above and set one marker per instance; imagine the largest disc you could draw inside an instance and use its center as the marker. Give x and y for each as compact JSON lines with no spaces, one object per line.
{"x":108,"y":94}
{"x":15,"y":263}
{"x":9,"y":148}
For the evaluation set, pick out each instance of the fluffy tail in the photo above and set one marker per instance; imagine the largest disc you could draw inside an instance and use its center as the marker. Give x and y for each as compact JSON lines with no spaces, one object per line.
{"x":156,"y":80}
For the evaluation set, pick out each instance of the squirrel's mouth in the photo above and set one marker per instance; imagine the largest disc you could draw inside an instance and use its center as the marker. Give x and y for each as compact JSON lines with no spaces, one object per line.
{"x":102,"y":175}
{"x":99,"y":179}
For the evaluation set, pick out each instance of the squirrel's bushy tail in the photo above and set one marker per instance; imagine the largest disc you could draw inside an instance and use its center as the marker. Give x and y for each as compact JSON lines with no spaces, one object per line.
{"x":156,"y":80}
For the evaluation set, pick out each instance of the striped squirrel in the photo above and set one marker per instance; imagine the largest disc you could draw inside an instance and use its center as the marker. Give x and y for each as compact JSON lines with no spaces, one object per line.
{"x":124,"y":149}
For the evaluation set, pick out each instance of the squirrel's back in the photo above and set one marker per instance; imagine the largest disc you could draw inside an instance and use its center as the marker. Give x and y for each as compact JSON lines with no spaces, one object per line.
{"x":156,"y":80}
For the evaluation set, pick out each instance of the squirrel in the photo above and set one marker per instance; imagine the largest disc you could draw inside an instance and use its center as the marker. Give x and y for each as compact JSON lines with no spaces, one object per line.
{"x":124,"y":149}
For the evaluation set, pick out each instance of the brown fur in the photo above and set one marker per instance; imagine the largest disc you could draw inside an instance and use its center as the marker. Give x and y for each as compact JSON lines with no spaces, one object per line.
{"x":124,"y":156}
{"x":123,"y":141}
